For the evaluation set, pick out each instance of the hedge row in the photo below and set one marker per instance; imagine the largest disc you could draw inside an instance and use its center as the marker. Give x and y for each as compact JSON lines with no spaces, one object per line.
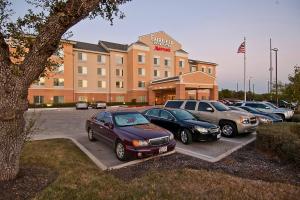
{"x":73,"y":104}
{"x":283,"y":139}
{"x":296,"y":118}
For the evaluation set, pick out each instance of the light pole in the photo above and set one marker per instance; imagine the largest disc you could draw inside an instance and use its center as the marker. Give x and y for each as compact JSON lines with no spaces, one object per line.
{"x":250,"y":86}
{"x":276,"y":85}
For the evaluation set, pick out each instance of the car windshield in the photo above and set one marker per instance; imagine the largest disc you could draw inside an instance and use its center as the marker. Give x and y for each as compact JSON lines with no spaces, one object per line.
{"x":130,"y":119}
{"x":220,"y":106}
{"x":182,"y":114}
{"x":271,"y":105}
{"x":252,"y":110}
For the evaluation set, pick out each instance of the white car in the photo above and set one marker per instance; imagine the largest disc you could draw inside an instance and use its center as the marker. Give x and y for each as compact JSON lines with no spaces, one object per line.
{"x":82,"y":105}
{"x":99,"y":104}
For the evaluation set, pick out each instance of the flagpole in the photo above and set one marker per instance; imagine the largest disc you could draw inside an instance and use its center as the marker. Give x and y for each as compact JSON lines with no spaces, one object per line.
{"x":245,"y":95}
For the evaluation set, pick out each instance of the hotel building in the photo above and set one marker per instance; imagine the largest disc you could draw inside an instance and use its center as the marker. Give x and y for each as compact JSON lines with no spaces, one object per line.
{"x":153,"y":69}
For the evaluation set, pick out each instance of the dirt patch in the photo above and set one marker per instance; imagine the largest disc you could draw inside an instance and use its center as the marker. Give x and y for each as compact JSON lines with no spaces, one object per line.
{"x":246,"y":163}
{"x":27,"y":184}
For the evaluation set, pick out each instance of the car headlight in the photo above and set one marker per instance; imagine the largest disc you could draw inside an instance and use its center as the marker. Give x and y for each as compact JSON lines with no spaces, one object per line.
{"x":140,"y":143}
{"x":265,"y":120}
{"x":245,"y":120}
{"x":171,"y":137}
{"x":201,"y":129}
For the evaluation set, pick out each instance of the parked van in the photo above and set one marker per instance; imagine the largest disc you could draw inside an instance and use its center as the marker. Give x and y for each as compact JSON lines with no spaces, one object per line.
{"x":231,"y":123}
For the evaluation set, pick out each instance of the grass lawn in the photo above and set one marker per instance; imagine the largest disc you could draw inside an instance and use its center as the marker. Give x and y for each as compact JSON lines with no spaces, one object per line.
{"x":79,"y":178}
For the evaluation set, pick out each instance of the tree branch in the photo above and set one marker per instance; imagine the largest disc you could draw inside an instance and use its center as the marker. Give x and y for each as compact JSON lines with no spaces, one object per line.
{"x":4,"y":53}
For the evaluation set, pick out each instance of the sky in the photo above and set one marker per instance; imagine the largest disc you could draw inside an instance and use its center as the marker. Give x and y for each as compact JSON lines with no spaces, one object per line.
{"x":210,"y":30}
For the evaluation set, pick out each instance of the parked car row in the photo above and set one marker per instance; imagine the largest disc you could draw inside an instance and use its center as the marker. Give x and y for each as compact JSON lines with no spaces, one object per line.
{"x":267,"y":107}
{"x":151,"y":132}
{"x":86,"y":105}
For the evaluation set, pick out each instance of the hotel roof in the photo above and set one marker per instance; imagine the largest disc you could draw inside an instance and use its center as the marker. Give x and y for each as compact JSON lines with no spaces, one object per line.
{"x":201,"y":62}
{"x":114,"y":46}
{"x":89,"y":47}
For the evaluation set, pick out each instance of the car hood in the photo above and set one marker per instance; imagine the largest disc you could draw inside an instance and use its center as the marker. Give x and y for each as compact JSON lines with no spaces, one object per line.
{"x":145,"y":131}
{"x":200,"y":123}
{"x":237,"y":114}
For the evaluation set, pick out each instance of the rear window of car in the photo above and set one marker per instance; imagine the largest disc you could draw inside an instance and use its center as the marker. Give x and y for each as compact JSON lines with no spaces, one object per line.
{"x":174,"y":104}
{"x":153,"y":112}
{"x":190,"y":105}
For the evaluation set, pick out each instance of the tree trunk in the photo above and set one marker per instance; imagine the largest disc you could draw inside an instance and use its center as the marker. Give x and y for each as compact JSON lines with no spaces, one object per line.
{"x":12,"y":137}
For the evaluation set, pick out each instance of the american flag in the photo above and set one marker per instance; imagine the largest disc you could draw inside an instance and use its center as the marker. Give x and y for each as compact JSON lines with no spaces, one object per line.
{"x":242,"y":48}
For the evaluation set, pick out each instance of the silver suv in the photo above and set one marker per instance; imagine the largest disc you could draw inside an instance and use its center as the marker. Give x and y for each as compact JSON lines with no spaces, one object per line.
{"x":215,"y":112}
{"x":268,"y":107}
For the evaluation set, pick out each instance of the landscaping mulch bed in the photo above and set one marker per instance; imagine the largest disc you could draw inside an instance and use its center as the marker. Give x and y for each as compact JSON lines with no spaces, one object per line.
{"x":27,"y":184}
{"x":247,"y":162}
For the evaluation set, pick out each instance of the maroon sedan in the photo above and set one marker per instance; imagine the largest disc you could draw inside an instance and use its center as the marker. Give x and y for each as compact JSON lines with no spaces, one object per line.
{"x":131,"y":134}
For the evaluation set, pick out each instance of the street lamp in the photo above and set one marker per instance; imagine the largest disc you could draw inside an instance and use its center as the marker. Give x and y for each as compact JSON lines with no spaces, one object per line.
{"x":276,"y":50}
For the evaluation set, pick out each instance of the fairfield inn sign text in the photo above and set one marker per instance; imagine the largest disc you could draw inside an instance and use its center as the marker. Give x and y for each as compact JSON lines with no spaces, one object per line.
{"x":161,"y":42}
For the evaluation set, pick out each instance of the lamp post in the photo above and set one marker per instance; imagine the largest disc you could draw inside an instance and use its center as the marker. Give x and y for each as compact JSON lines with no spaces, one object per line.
{"x":250,"y":86}
{"x":276,"y":85}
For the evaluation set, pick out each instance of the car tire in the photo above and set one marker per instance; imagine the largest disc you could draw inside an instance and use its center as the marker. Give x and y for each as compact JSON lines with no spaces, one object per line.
{"x":185,"y":136}
{"x":228,"y":129}
{"x":120,"y":151}
{"x":281,"y":116}
{"x":91,"y":135}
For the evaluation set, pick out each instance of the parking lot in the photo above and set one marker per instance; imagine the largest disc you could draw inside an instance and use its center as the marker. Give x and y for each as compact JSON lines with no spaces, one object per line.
{"x":70,"y":123}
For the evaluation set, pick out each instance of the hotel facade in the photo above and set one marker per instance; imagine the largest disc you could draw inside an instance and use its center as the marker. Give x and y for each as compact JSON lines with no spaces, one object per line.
{"x":153,"y":69}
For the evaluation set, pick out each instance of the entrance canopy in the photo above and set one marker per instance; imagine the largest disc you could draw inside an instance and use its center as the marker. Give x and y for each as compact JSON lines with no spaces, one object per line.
{"x":193,"y":85}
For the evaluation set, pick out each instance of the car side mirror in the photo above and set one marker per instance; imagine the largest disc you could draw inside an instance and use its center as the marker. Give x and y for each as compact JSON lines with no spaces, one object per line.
{"x":209,"y":109}
{"x":109,"y":125}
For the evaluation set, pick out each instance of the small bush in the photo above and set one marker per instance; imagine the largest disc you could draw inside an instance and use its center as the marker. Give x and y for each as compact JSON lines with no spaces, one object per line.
{"x":127,"y":103}
{"x":59,"y":105}
{"x":296,"y":118}
{"x":282,"y":139}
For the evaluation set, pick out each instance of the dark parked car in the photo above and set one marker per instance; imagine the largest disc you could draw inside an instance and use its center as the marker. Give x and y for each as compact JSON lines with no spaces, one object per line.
{"x":131,"y":134}
{"x":98,"y":104}
{"x":183,"y":124}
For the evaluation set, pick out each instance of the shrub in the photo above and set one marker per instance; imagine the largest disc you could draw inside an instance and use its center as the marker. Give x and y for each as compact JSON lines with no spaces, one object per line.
{"x":282,"y":139}
{"x":296,"y":118}
{"x":59,"y":105}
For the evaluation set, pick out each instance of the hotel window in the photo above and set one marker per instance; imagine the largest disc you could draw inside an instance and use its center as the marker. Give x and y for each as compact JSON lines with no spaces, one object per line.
{"x":82,"y":83}
{"x":141,"y":84}
{"x":167,"y":62}
{"x":156,"y":61}
{"x":119,"y":72}
{"x":58,"y":99}
{"x":60,"y":69}
{"x":38,"y":99}
{"x":141,"y":72}
{"x":58,"y":82}
{"x":141,"y":58}
{"x":210,"y":70}
{"x":82,"y":56}
{"x":119,"y":98}
{"x":167,"y":74}
{"x":101,"y":59}
{"x":101,"y":84}
{"x":101,"y":71}
{"x":203,"y":69}
{"x":156,"y":73}
{"x":181,"y":63}
{"x":142,"y":99}
{"x":193,"y":68}
{"x":82,"y":70}
{"x":119,"y":59}
{"x":82,"y":98}
{"x":119,"y":84}
{"x":40,"y":82}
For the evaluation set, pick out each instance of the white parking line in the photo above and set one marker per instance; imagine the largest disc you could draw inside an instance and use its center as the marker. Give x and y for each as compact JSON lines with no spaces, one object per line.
{"x":194,"y":154}
{"x":226,"y":140}
{"x":139,"y":161}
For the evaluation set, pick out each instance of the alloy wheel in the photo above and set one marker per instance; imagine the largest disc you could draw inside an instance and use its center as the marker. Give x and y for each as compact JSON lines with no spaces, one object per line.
{"x":120,"y":150}
{"x":91,"y":135}
{"x":183,"y":137}
{"x":227,"y":130}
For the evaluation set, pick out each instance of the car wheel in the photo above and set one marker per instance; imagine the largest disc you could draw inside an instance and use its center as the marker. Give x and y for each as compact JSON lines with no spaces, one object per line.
{"x":91,"y":135}
{"x":228,"y":129}
{"x":186,"y":136}
{"x":281,"y":116}
{"x":120,"y":151}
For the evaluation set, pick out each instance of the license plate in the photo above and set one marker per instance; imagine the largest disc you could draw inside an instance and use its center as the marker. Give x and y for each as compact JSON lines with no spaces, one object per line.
{"x":163,"y":149}
{"x":219,"y":136}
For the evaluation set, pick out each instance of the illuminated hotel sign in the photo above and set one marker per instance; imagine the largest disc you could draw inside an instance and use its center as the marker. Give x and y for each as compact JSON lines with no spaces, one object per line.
{"x":161,"y":44}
